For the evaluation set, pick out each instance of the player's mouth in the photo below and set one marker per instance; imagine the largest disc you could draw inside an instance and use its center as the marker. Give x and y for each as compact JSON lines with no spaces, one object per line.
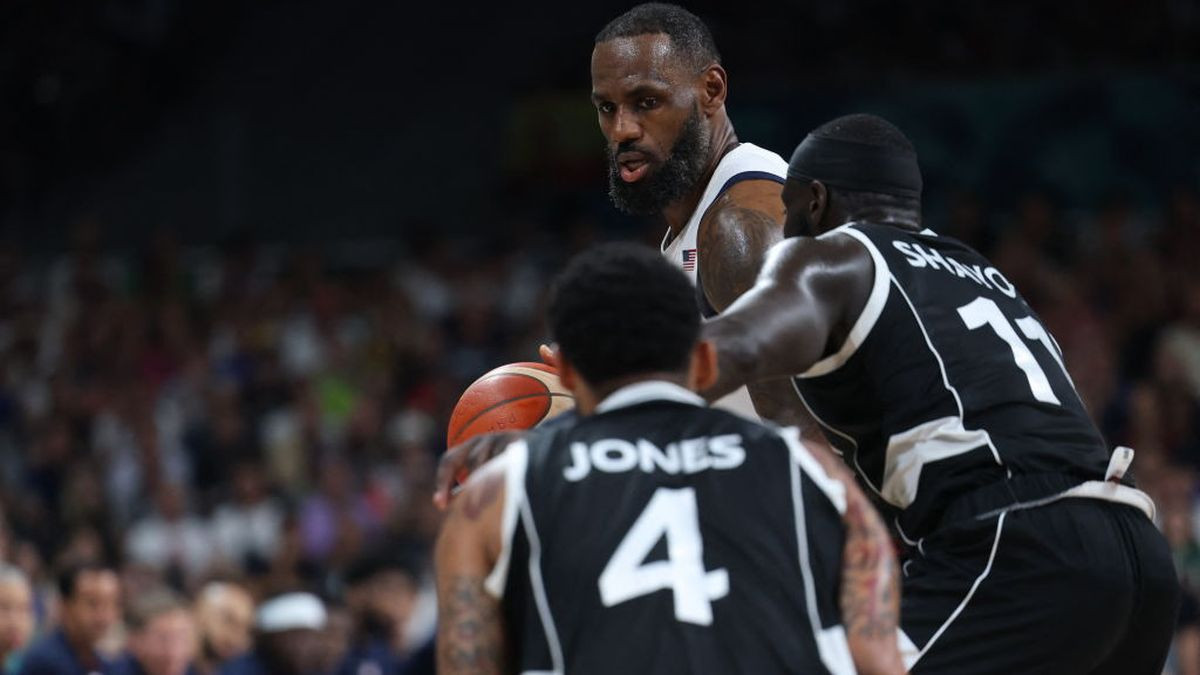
{"x":633,"y":167}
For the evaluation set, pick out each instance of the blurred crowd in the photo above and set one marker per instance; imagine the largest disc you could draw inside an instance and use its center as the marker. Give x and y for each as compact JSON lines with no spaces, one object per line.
{"x":234,"y":446}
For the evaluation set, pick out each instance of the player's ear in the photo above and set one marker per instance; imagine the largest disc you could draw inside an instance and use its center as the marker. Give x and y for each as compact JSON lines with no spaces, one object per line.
{"x":715,"y":86}
{"x":567,"y":375}
{"x":703,"y":371}
{"x":818,"y":204}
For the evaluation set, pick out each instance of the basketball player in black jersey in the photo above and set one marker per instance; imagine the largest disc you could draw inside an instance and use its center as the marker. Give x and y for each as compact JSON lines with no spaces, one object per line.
{"x":649,"y":533}
{"x":1032,"y":552}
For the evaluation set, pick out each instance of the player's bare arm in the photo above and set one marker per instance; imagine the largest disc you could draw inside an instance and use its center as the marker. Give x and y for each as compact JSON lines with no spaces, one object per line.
{"x":735,"y":237}
{"x":870,"y":590}
{"x":470,"y":628}
{"x":801,"y":308}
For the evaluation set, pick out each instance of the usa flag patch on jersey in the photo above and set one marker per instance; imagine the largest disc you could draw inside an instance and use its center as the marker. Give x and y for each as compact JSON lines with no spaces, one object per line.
{"x":689,"y":260}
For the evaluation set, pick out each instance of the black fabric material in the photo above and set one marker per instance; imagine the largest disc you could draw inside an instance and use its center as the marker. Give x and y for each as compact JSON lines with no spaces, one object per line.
{"x":856,"y":166}
{"x":1078,"y":586}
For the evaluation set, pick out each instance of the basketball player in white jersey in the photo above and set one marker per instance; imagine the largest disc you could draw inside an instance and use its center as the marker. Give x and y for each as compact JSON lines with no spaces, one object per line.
{"x":659,"y":91}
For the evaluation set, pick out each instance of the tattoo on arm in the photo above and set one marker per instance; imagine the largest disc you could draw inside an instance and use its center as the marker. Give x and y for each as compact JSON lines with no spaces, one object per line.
{"x":870,"y":597}
{"x":732,"y":249}
{"x":470,"y":640}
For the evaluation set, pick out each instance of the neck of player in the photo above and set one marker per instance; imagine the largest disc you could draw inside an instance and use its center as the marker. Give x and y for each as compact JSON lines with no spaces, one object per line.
{"x":588,"y":397}
{"x":724,"y":139}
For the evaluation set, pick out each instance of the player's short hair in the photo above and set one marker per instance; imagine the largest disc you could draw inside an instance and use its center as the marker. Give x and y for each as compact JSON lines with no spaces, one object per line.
{"x":149,"y":605}
{"x":690,"y":37}
{"x":865,"y":129}
{"x":620,"y":310}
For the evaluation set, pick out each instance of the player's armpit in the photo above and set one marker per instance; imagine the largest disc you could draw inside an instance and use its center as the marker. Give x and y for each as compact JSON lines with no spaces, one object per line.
{"x":776,"y":400}
{"x":870,"y":591}
{"x":470,"y":627}
{"x":734,"y":239}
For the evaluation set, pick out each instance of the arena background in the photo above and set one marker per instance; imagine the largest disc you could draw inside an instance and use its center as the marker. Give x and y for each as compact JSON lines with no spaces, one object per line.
{"x":251,"y":252}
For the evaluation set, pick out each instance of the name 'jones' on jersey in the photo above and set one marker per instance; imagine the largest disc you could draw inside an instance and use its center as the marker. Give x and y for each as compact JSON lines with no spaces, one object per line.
{"x":947,"y":382}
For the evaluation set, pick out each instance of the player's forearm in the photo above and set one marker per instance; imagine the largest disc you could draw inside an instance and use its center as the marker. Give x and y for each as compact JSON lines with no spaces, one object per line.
{"x":470,"y":641}
{"x":870,"y":597}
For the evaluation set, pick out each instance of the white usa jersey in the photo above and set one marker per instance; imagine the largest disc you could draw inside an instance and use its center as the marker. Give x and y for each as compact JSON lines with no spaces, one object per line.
{"x":744,"y":162}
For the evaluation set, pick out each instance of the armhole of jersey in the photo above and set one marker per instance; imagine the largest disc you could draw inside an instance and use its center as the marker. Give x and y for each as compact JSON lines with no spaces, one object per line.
{"x":515,"y":458}
{"x":832,"y":489}
{"x":870,"y":312}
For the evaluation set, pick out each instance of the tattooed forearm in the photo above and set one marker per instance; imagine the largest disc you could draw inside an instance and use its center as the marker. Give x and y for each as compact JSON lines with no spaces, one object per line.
{"x":870,"y":593}
{"x":470,"y":638}
{"x":732,"y":249}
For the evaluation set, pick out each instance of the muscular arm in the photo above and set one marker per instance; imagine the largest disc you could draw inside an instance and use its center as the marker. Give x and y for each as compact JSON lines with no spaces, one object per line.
{"x":734,"y":238}
{"x":470,"y":630}
{"x":804,"y":300}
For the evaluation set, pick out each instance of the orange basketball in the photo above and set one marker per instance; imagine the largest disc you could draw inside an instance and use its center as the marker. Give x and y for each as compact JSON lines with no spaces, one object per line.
{"x":514,"y":396}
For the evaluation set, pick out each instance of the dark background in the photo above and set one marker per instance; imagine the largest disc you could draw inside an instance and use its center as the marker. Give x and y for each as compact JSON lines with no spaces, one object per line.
{"x":252,"y":252}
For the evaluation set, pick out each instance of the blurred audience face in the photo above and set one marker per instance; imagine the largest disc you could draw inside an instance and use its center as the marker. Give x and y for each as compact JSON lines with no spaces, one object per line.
{"x":94,"y":607}
{"x":16,"y":614}
{"x":167,"y":644}
{"x":225,"y":614}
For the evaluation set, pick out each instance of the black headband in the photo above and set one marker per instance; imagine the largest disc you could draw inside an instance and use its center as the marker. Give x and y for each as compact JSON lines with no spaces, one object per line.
{"x":856,"y":166}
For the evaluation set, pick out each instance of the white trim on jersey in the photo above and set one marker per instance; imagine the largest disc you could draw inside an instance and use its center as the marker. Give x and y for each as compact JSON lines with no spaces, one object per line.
{"x":942,"y":367}
{"x":834,"y":490}
{"x":870,"y":312}
{"x":743,"y":159}
{"x":849,"y":439}
{"x":909,"y":451}
{"x":538,"y":586}
{"x":831,"y":642}
{"x":514,"y":459}
{"x":963,"y":605}
{"x":646,"y":391}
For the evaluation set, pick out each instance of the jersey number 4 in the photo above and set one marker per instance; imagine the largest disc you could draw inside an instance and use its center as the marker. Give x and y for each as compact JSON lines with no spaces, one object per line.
{"x":983,"y":311}
{"x":673,"y":513}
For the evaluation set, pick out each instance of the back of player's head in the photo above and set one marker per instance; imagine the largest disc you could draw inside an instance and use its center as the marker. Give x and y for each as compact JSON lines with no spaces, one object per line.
{"x":689,"y":36}
{"x":866,"y":129}
{"x":863,"y":159}
{"x":621,"y":309}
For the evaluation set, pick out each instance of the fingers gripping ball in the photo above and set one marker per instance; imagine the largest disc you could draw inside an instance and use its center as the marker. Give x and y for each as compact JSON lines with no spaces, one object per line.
{"x":510,"y":398}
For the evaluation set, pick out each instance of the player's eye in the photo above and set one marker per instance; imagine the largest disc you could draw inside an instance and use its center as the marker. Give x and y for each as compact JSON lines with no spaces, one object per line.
{"x":648,"y":103}
{"x":606,"y":108}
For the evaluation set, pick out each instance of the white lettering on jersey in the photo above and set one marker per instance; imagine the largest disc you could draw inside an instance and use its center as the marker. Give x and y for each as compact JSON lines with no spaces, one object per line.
{"x":919,"y":256}
{"x":692,"y":455}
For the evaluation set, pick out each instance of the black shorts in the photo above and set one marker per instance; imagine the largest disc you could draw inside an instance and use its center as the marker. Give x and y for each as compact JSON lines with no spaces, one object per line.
{"x":1075,"y":586}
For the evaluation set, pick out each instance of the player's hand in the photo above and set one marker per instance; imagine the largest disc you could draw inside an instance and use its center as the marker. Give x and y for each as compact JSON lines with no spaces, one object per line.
{"x":549,"y":355}
{"x":462,"y":459}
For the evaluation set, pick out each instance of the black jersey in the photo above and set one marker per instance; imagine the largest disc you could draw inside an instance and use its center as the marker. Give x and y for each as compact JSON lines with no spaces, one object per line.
{"x":948,"y":382}
{"x":661,"y":536}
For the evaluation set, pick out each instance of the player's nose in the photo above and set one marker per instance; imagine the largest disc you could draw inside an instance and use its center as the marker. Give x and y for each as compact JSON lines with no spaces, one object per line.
{"x":626,"y":126}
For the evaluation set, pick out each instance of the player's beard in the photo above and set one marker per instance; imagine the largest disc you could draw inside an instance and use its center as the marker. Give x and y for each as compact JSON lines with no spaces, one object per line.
{"x":673,"y":179}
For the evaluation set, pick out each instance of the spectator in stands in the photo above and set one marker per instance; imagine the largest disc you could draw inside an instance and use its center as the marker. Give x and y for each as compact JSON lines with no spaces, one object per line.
{"x":16,"y":617}
{"x":90,"y":595}
{"x":225,"y":617}
{"x":287,"y":638}
{"x":162,"y":636}
{"x":381,"y":592}
{"x":170,"y":538}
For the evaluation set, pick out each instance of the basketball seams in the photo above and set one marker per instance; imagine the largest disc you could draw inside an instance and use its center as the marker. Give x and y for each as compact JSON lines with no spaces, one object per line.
{"x":548,"y":395}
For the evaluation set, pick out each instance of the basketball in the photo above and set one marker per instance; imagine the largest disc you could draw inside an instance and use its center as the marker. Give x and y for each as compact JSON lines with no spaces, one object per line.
{"x":514,"y":396}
